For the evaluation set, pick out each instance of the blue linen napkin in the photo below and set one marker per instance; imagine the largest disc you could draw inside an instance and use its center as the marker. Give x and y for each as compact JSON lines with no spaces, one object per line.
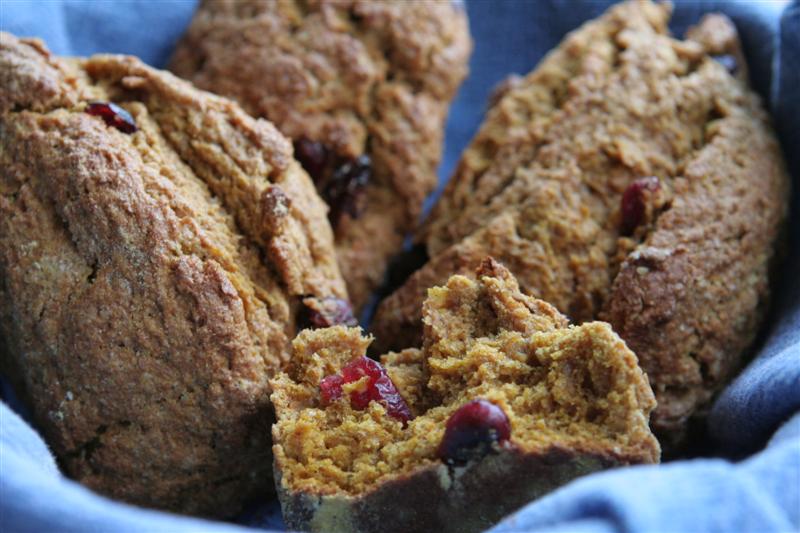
{"x":755,"y":423}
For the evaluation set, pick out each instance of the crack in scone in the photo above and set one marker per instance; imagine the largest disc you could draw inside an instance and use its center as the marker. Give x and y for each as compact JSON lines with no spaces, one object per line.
{"x":541,"y":186}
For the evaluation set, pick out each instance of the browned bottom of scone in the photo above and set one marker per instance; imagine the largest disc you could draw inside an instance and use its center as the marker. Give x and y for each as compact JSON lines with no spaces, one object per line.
{"x":505,"y":402}
{"x":439,"y":498}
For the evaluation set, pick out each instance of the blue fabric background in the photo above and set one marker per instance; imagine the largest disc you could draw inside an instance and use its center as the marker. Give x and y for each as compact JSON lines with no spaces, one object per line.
{"x":753,"y":485}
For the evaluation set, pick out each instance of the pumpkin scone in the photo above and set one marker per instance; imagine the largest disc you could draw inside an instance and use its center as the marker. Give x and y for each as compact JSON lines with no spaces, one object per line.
{"x":631,"y":177}
{"x":361,"y":87}
{"x":156,"y":245}
{"x":504,"y":399}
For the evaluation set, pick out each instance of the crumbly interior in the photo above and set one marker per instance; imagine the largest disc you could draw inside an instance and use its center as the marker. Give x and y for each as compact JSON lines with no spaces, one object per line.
{"x":577,"y":388}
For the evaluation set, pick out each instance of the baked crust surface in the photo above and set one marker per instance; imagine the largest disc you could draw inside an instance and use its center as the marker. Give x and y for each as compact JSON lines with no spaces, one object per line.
{"x":361,"y":77}
{"x":150,"y":281}
{"x":540,"y":189}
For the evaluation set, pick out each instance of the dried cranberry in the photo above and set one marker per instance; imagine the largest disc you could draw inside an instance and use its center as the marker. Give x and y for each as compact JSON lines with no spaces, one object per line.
{"x":472,"y":431}
{"x":378,"y":388}
{"x":340,"y":181}
{"x":330,"y":388}
{"x":634,"y":201}
{"x":313,"y":155}
{"x":344,"y":192}
{"x":113,"y":115}
{"x":276,"y":203}
{"x":326,"y":312}
{"x":728,"y":61}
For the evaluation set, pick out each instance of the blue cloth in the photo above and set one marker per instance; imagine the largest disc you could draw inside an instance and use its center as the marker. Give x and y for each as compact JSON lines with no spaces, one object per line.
{"x":753,"y":484}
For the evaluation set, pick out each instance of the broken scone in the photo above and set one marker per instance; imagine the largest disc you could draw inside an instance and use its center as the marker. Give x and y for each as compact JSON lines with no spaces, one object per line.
{"x":504,"y":398}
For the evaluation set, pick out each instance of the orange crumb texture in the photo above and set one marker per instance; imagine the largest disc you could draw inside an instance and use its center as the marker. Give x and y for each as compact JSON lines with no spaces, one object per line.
{"x":573,"y":388}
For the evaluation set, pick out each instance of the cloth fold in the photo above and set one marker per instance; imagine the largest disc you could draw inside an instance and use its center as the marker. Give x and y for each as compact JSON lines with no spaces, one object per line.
{"x":758,"y":414}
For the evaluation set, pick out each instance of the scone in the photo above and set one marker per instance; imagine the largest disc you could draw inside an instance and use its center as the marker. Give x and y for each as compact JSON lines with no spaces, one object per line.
{"x":156,"y":244}
{"x":361,"y":87}
{"x":503,"y":403}
{"x":630,"y":177}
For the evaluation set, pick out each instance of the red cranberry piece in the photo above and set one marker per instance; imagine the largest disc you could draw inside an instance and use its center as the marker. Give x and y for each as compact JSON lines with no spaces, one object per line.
{"x":728,"y":61}
{"x":340,"y":181}
{"x":326,"y":312}
{"x":330,"y":388}
{"x":472,"y":431}
{"x":344,"y":192}
{"x":633,"y":205}
{"x":357,"y":369}
{"x":313,"y":156}
{"x":379,"y":388}
{"x":113,"y":115}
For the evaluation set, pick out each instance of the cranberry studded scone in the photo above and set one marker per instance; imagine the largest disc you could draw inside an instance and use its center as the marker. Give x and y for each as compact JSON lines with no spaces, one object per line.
{"x":631,"y":177}
{"x":156,"y":245}
{"x":361,"y":87}
{"x":503,"y":403}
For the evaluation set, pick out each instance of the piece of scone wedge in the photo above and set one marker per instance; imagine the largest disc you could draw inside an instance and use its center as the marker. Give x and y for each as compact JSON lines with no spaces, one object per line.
{"x":156,"y":247}
{"x":505,"y":402}
{"x":361,"y":88}
{"x":631,"y":177}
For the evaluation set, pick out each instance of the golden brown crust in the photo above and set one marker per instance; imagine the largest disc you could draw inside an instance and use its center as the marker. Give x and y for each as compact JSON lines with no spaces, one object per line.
{"x":245,"y":163}
{"x":361,"y":77}
{"x":149,"y":284}
{"x":540,"y":189}
{"x":33,"y":79}
{"x":575,"y":398}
